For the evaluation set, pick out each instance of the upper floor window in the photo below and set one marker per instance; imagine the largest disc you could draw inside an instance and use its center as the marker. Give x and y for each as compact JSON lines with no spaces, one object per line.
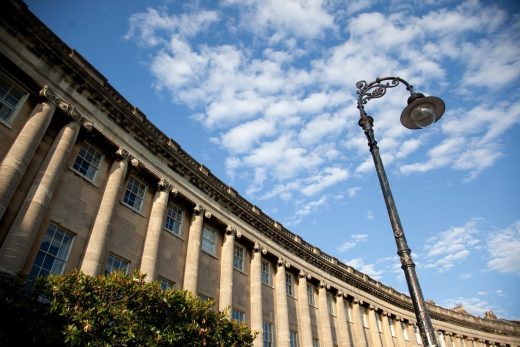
{"x":53,"y":253}
{"x":174,"y":219}
{"x":392,"y":328}
{"x":330,"y":304}
{"x":418,"y":337}
{"x":268,"y":334}
{"x":310,"y":294}
{"x":289,"y":284}
{"x":379,"y":318}
{"x":238,"y":257}
{"x":10,"y":96}
{"x":293,"y":338}
{"x":209,"y":241}
{"x":87,"y":162}
{"x":134,"y":194}
{"x":266,"y":273}
{"x":238,"y":315}
{"x":404,"y":326}
{"x":115,"y":263}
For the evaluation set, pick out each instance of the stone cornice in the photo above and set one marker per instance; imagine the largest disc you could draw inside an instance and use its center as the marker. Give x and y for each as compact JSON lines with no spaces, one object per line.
{"x":87,"y":80}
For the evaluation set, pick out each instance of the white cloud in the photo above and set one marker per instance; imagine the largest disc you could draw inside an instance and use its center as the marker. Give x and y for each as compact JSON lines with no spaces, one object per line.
{"x":503,"y":248}
{"x":451,"y":247}
{"x":301,"y":18}
{"x":355,"y":239}
{"x":369,"y":269}
{"x":352,"y":192}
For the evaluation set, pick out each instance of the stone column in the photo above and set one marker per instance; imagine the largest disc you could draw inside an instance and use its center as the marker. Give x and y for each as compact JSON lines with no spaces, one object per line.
{"x":372,"y":326}
{"x":359,"y":330}
{"x":191,"y":268}
{"x":305,"y":326}
{"x":458,"y":340}
{"x":387,"y":333}
{"x":99,"y":236}
{"x":342,"y":320}
{"x":447,"y":339}
{"x":16,"y":160}
{"x":282,"y":312}
{"x":256,"y":294}
{"x":154,"y":231}
{"x":24,"y":230}
{"x":226,"y":271}
{"x":324,"y":324}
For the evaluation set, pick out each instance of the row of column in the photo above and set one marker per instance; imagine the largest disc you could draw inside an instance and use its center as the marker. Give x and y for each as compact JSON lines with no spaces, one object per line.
{"x":24,"y":229}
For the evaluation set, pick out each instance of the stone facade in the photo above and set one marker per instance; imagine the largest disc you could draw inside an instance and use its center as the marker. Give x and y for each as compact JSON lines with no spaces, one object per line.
{"x":87,"y":182}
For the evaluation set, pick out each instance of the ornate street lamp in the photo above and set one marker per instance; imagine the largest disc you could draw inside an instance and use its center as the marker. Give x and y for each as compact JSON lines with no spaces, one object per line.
{"x":421,"y":112}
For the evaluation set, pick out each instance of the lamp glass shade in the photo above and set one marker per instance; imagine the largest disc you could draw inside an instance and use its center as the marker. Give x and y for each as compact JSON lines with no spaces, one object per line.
{"x":422,"y":111}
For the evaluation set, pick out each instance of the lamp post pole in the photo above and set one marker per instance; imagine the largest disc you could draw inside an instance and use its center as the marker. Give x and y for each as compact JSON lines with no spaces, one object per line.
{"x":420,"y":112}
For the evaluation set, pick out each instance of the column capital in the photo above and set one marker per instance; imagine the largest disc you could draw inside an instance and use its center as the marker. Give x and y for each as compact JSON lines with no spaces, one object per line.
{"x":69,"y":109}
{"x":164,"y":185}
{"x":283,"y":262}
{"x":198,"y":210}
{"x":257,"y":247}
{"x":303,"y":274}
{"x":340,"y":294}
{"x":231,"y":230}
{"x":324,"y":284}
{"x":122,"y":153}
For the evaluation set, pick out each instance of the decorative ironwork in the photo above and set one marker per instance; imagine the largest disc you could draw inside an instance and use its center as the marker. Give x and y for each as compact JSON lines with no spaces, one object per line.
{"x":367,"y":91}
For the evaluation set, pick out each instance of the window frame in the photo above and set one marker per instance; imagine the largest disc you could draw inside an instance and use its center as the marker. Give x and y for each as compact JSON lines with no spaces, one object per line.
{"x":293,"y":338}
{"x":172,"y":217}
{"x":129,"y":193}
{"x":238,"y":315}
{"x":120,"y":260}
{"x":331,"y":307}
{"x":289,"y":284}
{"x":90,"y":164}
{"x":206,"y":242}
{"x":239,"y":259}
{"x":311,"y":294}
{"x":44,"y":254}
{"x":16,"y":108}
{"x":266,"y":275}
{"x":165,"y":283}
{"x":268,"y":334}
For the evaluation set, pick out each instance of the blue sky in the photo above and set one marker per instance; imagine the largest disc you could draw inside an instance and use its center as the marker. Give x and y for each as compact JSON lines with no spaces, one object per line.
{"x":263,"y":93}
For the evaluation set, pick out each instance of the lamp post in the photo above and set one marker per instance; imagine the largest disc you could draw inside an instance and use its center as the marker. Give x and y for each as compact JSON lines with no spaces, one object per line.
{"x":421,"y":112}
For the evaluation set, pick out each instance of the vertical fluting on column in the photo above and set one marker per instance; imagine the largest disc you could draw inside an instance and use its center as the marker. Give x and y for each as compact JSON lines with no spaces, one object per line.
{"x":375,"y":339}
{"x":359,"y":330}
{"x":99,"y":236}
{"x":387,"y":333}
{"x":25,"y":227}
{"x":16,"y":160}
{"x":191,"y":268}
{"x":305,"y":327}
{"x":256,"y":294}
{"x":154,"y":231}
{"x":342,"y":320}
{"x":282,"y":311}
{"x":226,"y":271}
{"x":324,"y":324}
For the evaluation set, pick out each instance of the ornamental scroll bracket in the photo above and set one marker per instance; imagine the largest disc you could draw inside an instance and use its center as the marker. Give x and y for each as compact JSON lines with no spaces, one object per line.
{"x":367,"y":91}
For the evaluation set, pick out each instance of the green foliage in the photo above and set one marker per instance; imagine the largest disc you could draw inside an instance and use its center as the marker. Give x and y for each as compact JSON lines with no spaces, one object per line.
{"x":121,"y":310}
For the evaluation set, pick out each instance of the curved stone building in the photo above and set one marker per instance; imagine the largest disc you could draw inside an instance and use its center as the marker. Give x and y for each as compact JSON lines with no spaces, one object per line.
{"x":88,"y":182}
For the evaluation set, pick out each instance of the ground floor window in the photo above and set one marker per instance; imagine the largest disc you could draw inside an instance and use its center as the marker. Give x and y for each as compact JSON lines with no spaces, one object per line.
{"x":115,"y":263}
{"x":53,"y":253}
{"x":268,"y":334}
